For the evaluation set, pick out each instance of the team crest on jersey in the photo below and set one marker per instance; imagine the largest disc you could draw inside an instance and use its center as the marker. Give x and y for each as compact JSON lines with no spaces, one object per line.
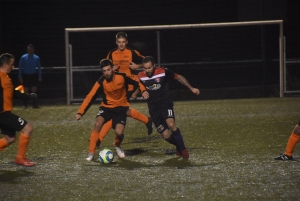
{"x":157,"y":79}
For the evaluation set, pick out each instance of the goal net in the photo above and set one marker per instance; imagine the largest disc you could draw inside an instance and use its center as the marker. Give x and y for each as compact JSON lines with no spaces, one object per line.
{"x":211,"y":55}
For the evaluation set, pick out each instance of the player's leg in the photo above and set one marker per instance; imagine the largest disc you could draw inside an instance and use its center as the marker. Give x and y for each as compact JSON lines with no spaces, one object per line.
{"x":100,"y":120}
{"x":34,"y":101}
{"x":34,"y":82}
{"x":292,"y":141}
{"x":103,"y":132}
{"x":119,"y":122}
{"x":22,"y":146}
{"x":162,"y":127}
{"x":10,"y":123}
{"x":9,"y":137}
{"x":133,"y":113}
{"x":26,"y":85}
{"x":169,"y":115}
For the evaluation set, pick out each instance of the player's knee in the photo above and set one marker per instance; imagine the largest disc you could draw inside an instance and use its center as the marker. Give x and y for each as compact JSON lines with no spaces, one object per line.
{"x":10,"y":140}
{"x":297,"y":130}
{"x":166,"y":135}
{"x":172,"y":126}
{"x":27,"y":130}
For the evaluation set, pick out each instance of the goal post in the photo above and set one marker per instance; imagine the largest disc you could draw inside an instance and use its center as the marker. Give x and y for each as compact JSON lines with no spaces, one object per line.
{"x":68,"y":50}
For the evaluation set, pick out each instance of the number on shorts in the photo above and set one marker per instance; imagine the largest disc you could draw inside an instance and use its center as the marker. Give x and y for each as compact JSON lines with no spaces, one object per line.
{"x":170,"y":113}
{"x":21,"y":121}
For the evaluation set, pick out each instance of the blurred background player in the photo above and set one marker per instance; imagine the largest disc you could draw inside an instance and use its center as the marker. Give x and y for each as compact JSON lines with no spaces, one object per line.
{"x":125,"y":60}
{"x":293,"y":140}
{"x":160,"y":103}
{"x":28,"y":75}
{"x":9,"y":122}
{"x":113,"y":107}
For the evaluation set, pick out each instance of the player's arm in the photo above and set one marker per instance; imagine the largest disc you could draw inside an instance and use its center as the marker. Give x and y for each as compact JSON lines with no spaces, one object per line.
{"x":88,"y":101}
{"x":184,"y":81}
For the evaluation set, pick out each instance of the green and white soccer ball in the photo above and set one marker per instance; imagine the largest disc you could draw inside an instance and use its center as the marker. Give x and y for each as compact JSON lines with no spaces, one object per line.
{"x":106,"y":156}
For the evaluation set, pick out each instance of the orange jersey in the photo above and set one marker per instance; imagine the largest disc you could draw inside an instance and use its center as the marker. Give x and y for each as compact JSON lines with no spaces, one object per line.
{"x":114,"y":92}
{"x":6,"y":94}
{"x":124,"y":58}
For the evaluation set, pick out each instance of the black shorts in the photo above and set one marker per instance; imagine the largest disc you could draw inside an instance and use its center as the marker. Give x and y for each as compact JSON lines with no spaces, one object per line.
{"x":30,"y":80}
{"x":159,"y":117}
{"x":118,"y":115}
{"x":10,"y":123}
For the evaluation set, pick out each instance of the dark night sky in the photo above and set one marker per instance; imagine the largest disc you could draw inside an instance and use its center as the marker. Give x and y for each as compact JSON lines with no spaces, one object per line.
{"x":43,"y":22}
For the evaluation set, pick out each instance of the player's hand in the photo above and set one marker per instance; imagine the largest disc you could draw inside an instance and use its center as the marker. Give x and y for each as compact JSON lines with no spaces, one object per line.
{"x":78,"y":116}
{"x":33,"y":96}
{"x":116,"y":68}
{"x":145,"y":95}
{"x":195,"y":91}
{"x":133,"y":66}
{"x":21,"y":80}
{"x":40,"y":79}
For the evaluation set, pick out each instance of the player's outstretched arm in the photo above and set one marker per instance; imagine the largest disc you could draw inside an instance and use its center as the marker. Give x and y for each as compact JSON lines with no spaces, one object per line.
{"x":184,"y":81}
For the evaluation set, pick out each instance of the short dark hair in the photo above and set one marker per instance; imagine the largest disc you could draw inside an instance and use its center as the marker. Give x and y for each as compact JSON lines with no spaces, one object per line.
{"x":5,"y":58}
{"x":30,"y":45}
{"x":105,"y":62}
{"x":121,"y":35}
{"x":147,"y":59}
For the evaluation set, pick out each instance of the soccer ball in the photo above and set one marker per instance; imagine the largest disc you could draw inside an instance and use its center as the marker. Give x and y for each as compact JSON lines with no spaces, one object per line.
{"x":106,"y":156}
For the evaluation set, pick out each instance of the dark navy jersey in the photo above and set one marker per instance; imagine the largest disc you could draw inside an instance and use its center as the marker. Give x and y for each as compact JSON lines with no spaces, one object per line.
{"x":158,"y":87}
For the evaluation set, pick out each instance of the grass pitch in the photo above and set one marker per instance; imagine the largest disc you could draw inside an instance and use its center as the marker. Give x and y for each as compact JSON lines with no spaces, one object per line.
{"x":231,"y":143}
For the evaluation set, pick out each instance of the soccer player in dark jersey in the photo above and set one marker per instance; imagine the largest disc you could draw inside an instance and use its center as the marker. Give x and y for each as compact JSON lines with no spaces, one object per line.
{"x":293,"y":140}
{"x":160,"y":103}
{"x":114,"y":106}
{"x":125,"y":60}
{"x":9,"y":122}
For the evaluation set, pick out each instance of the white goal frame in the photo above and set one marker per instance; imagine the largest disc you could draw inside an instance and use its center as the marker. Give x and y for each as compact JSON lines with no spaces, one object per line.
{"x":69,"y":70}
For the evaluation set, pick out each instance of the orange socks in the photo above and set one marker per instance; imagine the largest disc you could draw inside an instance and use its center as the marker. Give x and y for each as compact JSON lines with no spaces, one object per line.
{"x":138,"y":116}
{"x":22,"y":146}
{"x":293,"y":140}
{"x":104,"y":130}
{"x":3,"y":144}
{"x":93,"y":141}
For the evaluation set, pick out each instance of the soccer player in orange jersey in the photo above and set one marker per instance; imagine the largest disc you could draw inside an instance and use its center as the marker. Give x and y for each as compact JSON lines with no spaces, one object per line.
{"x":160,"y":103}
{"x":9,"y":122}
{"x":293,"y":140}
{"x":114,"y":106}
{"x":125,"y":60}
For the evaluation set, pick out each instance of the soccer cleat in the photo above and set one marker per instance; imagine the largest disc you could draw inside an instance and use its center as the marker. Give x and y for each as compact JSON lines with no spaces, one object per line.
{"x":90,"y":157}
{"x":149,"y":126}
{"x":284,"y":157}
{"x":185,"y":154}
{"x":24,"y":162}
{"x":120,"y":152}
